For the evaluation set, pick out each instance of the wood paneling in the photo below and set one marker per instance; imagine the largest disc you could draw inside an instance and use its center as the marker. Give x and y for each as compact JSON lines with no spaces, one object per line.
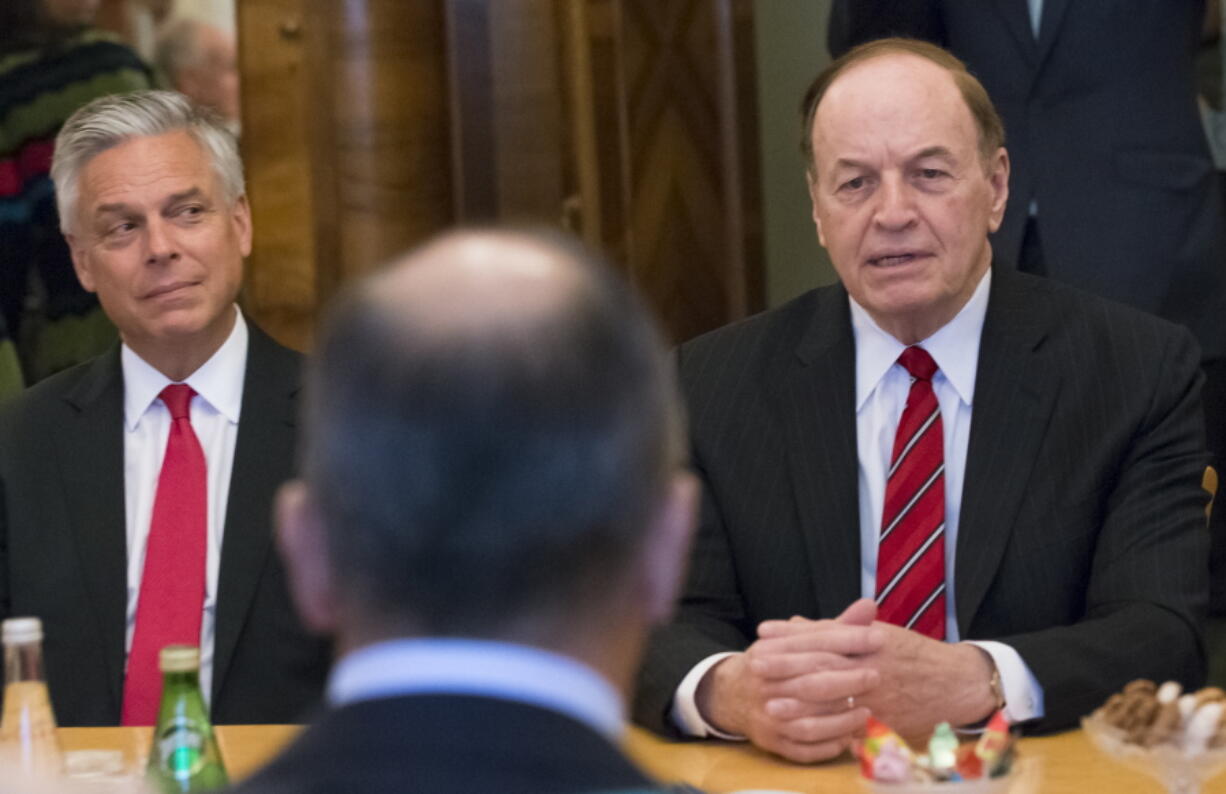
{"x":345,"y":120}
{"x":371,"y":124}
{"x":676,"y":150}
{"x":278,"y":116}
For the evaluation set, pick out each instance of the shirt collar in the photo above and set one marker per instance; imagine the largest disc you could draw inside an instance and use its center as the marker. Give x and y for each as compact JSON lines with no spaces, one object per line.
{"x":486,"y":668}
{"x":219,"y":381}
{"x":954,"y":346}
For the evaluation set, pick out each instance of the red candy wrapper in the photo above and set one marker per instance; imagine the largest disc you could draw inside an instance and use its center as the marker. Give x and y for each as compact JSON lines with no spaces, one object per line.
{"x":969,"y":765}
{"x":994,"y":740}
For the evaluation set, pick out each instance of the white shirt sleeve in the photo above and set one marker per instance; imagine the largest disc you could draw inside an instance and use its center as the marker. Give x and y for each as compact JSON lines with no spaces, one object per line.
{"x":1023,"y":694}
{"x":684,"y":712}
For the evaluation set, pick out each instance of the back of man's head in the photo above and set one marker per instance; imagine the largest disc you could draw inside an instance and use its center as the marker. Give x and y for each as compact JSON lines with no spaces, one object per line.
{"x":492,"y":430}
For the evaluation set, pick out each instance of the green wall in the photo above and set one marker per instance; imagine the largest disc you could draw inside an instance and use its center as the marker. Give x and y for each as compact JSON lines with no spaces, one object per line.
{"x":790,"y":38}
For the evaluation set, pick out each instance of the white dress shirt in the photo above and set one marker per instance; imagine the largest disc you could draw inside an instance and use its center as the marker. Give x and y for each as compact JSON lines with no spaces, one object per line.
{"x":214,"y":414}
{"x":882,"y":386}
{"x":485,"y":668}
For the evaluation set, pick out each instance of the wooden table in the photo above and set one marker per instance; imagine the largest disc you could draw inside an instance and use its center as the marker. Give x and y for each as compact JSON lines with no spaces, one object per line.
{"x":1066,"y":763}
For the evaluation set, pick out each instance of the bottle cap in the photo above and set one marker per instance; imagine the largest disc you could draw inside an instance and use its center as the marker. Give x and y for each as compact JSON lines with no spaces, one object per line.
{"x":22,"y":630}
{"x":179,"y":659}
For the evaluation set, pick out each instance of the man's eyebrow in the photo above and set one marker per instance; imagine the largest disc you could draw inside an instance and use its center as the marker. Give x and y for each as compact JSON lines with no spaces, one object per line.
{"x":118,"y":208}
{"x":174,"y":198}
{"x":847,"y":162}
{"x":934,"y":151}
{"x":190,"y":193}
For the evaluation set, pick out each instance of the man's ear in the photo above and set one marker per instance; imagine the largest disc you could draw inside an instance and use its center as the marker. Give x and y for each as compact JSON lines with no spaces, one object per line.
{"x":240,"y":216}
{"x":80,"y":262}
{"x":667,"y":549}
{"x":304,"y":549}
{"x":998,"y":182}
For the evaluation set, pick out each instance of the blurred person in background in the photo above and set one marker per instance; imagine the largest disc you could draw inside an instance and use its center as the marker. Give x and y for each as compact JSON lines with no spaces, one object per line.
{"x":494,"y":511}
{"x":52,"y":61}
{"x":200,"y":61}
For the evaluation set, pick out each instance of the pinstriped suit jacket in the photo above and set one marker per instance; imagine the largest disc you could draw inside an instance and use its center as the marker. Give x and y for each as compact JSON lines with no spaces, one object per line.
{"x":1081,"y":541}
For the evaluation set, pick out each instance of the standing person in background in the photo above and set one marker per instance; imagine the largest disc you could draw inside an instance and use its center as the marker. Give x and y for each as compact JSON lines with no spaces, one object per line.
{"x":52,"y":61}
{"x":493,"y":513}
{"x":201,"y":62}
{"x":1113,"y":189}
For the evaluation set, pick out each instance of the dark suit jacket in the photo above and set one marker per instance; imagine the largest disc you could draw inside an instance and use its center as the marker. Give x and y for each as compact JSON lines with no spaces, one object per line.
{"x":1102,"y":129}
{"x":1081,"y":540}
{"x":447,"y":744}
{"x":63,"y":543}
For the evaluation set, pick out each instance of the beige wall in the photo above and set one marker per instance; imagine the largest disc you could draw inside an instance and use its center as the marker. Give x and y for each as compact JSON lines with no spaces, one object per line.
{"x":791,"y":48}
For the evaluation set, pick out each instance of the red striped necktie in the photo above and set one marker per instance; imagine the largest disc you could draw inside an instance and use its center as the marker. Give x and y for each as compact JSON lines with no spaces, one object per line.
{"x":171,"y":602}
{"x":911,"y":547}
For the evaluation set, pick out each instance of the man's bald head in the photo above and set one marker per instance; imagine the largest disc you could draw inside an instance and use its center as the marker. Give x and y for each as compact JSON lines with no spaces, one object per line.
{"x":477,"y":285}
{"x":491,"y":422}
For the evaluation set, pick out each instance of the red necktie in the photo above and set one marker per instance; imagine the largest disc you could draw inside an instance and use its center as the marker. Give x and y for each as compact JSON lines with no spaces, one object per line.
{"x":911,"y":548}
{"x":171,"y":599}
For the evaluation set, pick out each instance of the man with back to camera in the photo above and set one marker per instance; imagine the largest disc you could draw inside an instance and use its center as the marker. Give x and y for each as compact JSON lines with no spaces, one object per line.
{"x":935,"y":449}
{"x":493,"y":512}
{"x":136,"y":488}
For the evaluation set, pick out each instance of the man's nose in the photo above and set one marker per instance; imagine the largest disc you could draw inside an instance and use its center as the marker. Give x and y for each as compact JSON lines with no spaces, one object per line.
{"x":896,"y":205}
{"x":160,"y":242}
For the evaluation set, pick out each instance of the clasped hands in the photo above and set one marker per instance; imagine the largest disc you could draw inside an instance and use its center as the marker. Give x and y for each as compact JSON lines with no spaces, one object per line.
{"x":805,"y":687}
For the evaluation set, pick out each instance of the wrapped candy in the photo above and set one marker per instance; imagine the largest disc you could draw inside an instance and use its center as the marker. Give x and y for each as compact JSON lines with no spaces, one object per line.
{"x":942,"y":750}
{"x":994,"y":739}
{"x":892,"y":764}
{"x":969,"y":765}
{"x":886,"y":758}
{"x":877,"y":737}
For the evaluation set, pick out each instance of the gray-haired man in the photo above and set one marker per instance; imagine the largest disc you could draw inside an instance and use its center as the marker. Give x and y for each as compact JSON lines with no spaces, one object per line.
{"x":135,"y":489}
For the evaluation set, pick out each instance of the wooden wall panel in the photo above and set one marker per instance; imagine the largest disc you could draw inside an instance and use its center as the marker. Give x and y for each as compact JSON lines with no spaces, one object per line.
{"x":372,"y":124}
{"x":346,"y":140}
{"x":677,"y":155}
{"x":389,"y":123}
{"x":510,"y":138}
{"x":278,"y":117}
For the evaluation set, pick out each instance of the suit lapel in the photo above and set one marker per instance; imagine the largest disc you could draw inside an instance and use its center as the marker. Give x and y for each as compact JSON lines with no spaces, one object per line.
{"x":266,"y":425}
{"x":1014,"y":395}
{"x":1016,"y":14}
{"x":89,"y":448}
{"x":817,"y":402}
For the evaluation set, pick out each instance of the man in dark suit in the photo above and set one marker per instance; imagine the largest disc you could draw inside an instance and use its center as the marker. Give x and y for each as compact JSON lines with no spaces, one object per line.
{"x":1059,"y":534}
{"x":492,"y":515}
{"x":126,"y":523}
{"x":1112,"y":184}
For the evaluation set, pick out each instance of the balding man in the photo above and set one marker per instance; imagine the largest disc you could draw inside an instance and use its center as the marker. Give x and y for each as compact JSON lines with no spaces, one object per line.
{"x":493,"y":513}
{"x":201,"y":62}
{"x":1004,"y":471}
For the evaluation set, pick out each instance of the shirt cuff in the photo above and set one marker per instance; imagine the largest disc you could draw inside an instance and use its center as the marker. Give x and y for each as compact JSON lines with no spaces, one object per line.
{"x":684,"y":712}
{"x":1023,"y":695}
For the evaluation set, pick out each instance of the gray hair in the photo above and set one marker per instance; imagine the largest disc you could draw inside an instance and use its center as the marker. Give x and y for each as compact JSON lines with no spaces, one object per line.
{"x":471,"y":481}
{"x":178,"y":47}
{"x":111,"y":120}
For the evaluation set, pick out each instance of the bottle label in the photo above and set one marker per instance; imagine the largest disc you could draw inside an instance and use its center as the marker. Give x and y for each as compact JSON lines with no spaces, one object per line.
{"x":180,"y":746}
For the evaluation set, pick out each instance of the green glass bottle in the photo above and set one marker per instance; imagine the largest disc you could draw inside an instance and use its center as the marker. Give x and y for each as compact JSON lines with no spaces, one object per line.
{"x":184,"y":756}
